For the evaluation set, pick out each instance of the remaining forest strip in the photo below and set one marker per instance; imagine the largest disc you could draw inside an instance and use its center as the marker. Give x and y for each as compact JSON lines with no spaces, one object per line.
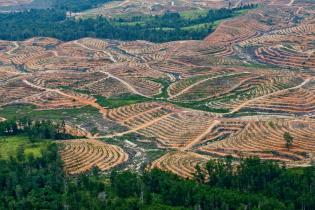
{"x":57,"y":23}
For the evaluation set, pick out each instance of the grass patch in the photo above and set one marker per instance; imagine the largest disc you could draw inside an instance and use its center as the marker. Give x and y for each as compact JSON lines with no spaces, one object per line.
{"x":198,"y":26}
{"x":135,"y":23}
{"x":10,"y":144}
{"x":121,"y":101}
{"x":25,"y":110}
{"x":11,"y":111}
{"x":194,"y":14}
{"x":200,"y":106}
{"x":155,"y":154}
{"x":297,"y":170}
{"x":165,"y":84}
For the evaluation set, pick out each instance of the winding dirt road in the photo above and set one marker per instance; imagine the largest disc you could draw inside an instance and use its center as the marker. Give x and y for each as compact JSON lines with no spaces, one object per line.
{"x":291,"y":3}
{"x":201,"y":136}
{"x":111,"y":57}
{"x":85,"y":101}
{"x":129,"y":87}
{"x":101,"y":109}
{"x":16,"y":46}
{"x":133,"y":130}
{"x":202,"y":81}
{"x":236,"y":109}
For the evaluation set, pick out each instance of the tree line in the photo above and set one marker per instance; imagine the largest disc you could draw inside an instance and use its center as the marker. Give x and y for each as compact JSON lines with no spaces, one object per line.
{"x":40,"y":183}
{"x":38,"y":129}
{"x":55,"y":23}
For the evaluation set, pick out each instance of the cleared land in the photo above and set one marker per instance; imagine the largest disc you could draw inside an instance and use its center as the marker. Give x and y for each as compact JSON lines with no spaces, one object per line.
{"x":82,"y":155}
{"x":233,"y":94}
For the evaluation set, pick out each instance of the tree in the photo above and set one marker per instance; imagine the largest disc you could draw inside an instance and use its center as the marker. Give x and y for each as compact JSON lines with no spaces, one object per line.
{"x":288,"y":139}
{"x":20,"y":153}
{"x":199,"y":175}
{"x":125,"y":184}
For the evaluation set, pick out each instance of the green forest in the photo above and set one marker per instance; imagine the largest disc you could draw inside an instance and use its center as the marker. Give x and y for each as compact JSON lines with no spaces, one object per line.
{"x":55,"y":23}
{"x":38,"y":129}
{"x":38,"y":182}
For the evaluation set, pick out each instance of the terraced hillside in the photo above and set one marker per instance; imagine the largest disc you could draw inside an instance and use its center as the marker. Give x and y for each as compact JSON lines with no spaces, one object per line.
{"x":265,"y":140}
{"x":177,"y":104}
{"x":180,"y":163}
{"x":81,"y":155}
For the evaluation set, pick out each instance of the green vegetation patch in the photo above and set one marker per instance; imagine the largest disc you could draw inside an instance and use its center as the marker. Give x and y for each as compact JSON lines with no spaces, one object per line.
{"x":165,"y":84}
{"x":9,"y":146}
{"x":194,"y":14}
{"x":123,"y":100}
{"x":40,"y":183}
{"x":200,"y":105}
{"x":55,"y":23}
{"x":24,"y":110}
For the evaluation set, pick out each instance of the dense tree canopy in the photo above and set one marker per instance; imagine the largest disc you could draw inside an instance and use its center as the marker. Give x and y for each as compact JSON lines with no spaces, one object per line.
{"x":44,"y":129}
{"x":54,"y":23}
{"x":27,"y":182}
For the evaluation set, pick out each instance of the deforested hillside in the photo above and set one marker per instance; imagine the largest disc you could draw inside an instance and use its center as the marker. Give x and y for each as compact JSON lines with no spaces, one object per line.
{"x":158,"y":105}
